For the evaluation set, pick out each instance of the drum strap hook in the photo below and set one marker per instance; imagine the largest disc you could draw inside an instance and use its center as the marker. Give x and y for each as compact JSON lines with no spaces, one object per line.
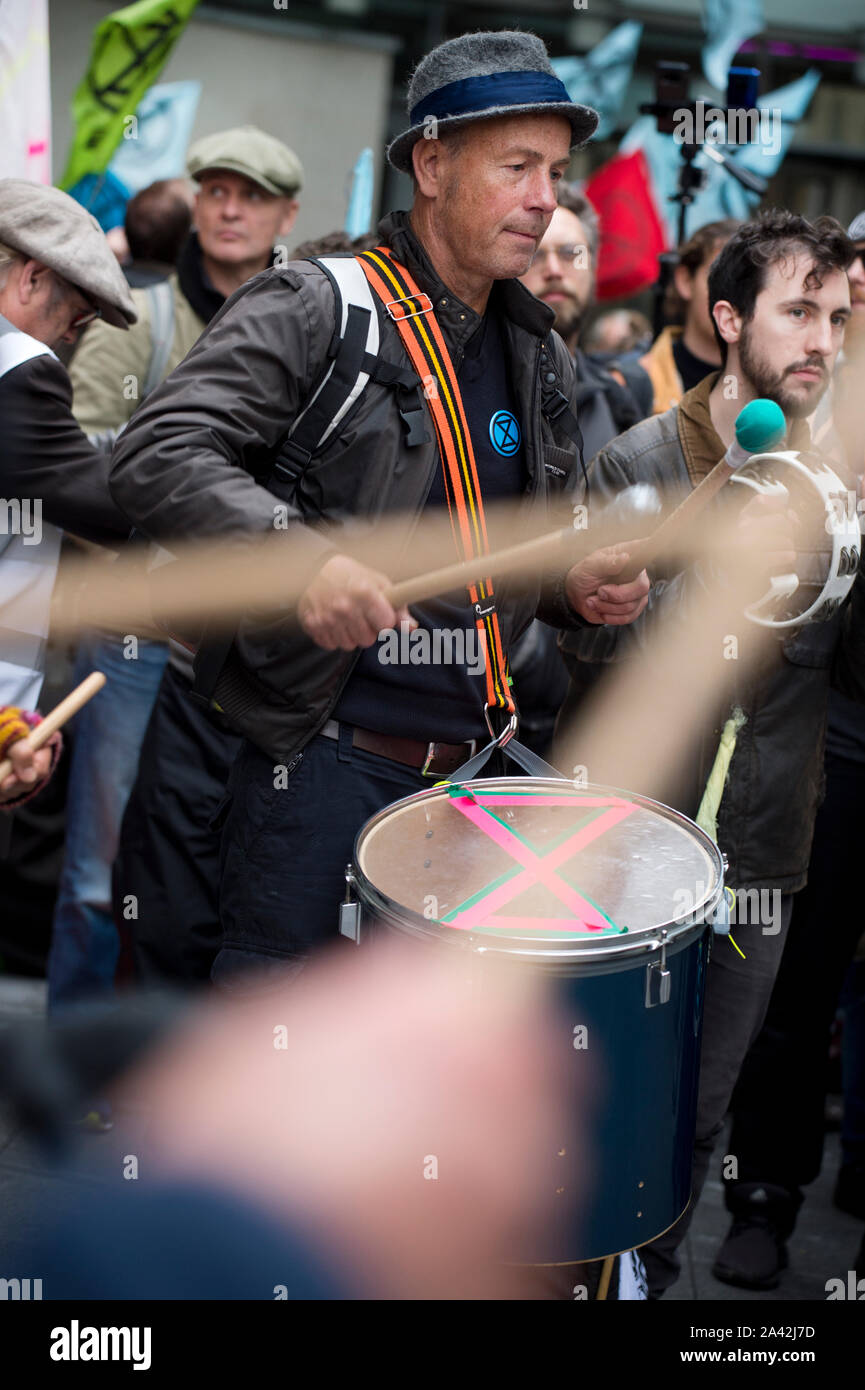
{"x":517,"y":752}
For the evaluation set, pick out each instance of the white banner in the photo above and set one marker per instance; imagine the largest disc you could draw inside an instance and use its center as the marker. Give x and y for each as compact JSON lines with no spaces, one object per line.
{"x":25,"y":98}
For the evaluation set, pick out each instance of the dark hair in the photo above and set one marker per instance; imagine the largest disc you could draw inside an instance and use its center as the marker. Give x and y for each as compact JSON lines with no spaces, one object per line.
{"x":701,"y":246}
{"x":157,"y":222}
{"x":332,"y":243}
{"x":573,"y":199}
{"x":739,"y":273}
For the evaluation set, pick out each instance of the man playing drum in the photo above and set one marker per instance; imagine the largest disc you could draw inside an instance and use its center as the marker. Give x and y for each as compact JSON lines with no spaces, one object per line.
{"x":335,"y":727}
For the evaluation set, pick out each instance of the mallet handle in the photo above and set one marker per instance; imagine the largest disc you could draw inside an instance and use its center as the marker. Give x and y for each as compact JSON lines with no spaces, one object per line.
{"x":59,"y":715}
{"x":642,"y":553}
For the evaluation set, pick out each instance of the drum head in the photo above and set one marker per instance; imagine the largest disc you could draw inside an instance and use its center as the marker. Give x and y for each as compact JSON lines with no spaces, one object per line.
{"x":537,"y":863}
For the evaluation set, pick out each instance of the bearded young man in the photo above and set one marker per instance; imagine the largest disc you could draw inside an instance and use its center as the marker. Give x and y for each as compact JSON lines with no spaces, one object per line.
{"x":786,"y":1071}
{"x":490,"y":137}
{"x":780,"y":302}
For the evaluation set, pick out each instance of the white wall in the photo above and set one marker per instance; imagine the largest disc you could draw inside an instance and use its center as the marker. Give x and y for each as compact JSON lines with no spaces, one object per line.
{"x":327,"y":100}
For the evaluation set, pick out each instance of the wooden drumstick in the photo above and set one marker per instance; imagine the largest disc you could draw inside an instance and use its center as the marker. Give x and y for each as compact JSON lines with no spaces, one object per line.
{"x":58,"y":717}
{"x":514,"y":560}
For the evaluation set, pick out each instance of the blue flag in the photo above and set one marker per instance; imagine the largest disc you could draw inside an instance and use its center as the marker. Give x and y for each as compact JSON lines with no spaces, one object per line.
{"x":157,"y":148}
{"x":728,"y":24}
{"x":154,"y":148}
{"x":601,"y":78}
{"x":358,"y":218}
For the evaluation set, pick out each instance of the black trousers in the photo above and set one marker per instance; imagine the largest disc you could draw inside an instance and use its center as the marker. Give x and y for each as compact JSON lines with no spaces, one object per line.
{"x":288,"y":836}
{"x":778,"y":1105}
{"x":166,"y":875}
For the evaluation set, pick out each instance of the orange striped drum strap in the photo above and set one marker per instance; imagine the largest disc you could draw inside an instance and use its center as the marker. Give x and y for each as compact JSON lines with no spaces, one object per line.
{"x":412,"y":312}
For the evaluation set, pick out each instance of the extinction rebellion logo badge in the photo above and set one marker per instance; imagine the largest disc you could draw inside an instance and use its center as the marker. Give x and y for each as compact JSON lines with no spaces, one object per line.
{"x":504,"y":433}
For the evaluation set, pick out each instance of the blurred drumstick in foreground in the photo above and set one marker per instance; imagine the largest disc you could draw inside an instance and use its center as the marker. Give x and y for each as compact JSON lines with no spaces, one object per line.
{"x":760,"y":427}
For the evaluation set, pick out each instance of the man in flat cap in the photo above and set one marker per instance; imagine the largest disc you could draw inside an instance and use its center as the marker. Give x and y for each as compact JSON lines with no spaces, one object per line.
{"x":332,"y":732}
{"x":57,"y":273}
{"x":245,"y":204}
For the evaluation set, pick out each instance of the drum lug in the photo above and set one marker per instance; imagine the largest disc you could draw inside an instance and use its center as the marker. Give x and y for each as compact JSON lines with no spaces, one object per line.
{"x":658,"y":978}
{"x":349,"y":911}
{"x":720,"y":918}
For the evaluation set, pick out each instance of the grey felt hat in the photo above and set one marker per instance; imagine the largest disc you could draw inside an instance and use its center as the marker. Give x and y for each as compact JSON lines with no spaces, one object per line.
{"x":856,"y":230}
{"x":501,"y":73}
{"x":47,"y":225}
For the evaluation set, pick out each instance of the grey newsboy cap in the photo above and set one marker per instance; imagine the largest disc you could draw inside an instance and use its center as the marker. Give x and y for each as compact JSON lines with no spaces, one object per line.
{"x":47,"y":225}
{"x":252,"y":152}
{"x":500,"y":73}
{"x":856,"y":230}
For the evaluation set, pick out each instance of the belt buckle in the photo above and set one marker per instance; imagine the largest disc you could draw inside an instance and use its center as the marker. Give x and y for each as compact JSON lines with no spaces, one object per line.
{"x":409,"y":299}
{"x":471,"y":744}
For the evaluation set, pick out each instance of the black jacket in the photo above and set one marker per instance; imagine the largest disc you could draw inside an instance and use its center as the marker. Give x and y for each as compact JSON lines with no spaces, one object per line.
{"x":45,"y":454}
{"x":193,"y":458}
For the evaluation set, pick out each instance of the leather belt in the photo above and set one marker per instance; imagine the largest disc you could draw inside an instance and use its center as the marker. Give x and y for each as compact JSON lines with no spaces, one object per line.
{"x":431,"y":759}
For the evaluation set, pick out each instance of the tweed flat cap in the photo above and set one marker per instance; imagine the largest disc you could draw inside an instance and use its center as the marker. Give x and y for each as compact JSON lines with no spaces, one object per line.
{"x":856,"y":230}
{"x":252,"y":152}
{"x":499,"y":73}
{"x":47,"y":225}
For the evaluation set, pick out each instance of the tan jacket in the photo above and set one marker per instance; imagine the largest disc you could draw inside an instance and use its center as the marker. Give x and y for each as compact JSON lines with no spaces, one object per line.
{"x":109,"y":369}
{"x":661,"y":366}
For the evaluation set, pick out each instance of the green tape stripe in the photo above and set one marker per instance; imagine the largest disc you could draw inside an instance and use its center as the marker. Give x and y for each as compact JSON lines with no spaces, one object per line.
{"x":483,"y":892}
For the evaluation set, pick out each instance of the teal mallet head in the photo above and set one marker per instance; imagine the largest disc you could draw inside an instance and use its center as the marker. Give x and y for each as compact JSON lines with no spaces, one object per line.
{"x":760,"y":427}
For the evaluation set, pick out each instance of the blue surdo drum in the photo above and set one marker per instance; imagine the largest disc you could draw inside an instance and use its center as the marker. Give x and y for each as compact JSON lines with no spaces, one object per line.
{"x":611,"y":896}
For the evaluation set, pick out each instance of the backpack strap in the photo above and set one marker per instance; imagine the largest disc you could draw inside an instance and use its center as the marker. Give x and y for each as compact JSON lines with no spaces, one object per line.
{"x":352,"y":361}
{"x":161,"y":300}
{"x":556,"y":408}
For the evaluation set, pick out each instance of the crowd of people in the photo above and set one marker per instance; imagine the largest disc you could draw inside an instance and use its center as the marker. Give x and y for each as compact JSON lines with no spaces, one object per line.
{"x":160,"y":387}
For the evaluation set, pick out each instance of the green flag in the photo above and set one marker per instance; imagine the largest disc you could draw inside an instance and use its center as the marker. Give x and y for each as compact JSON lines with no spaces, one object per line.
{"x":130,"y":48}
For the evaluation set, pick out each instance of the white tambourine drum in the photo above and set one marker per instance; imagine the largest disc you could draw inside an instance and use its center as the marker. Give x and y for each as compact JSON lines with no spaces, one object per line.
{"x":830,"y":544}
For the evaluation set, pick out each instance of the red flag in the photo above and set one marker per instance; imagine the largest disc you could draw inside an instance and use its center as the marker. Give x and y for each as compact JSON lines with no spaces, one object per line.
{"x":632,"y":234}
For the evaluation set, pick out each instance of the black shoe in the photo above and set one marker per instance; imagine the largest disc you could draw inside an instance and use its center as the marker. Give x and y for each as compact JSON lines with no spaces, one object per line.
{"x":849,"y":1194}
{"x":753,"y":1255}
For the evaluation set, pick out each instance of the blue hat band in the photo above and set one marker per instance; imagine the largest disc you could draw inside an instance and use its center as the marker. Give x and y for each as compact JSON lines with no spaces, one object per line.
{"x":472,"y":94}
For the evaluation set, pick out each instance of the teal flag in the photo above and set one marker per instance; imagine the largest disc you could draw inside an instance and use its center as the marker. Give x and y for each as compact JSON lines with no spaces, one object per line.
{"x":130,"y":48}
{"x":601,"y":78}
{"x":358,"y":219}
{"x":728,"y":24}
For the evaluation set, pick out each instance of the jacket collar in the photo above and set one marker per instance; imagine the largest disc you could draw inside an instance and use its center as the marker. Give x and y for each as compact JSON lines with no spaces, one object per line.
{"x":512,"y":298}
{"x":195,"y":283}
{"x":700,"y":441}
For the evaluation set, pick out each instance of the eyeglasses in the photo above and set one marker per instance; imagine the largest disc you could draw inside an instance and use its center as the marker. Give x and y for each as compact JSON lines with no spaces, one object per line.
{"x":577,"y":255}
{"x":84,"y":316}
